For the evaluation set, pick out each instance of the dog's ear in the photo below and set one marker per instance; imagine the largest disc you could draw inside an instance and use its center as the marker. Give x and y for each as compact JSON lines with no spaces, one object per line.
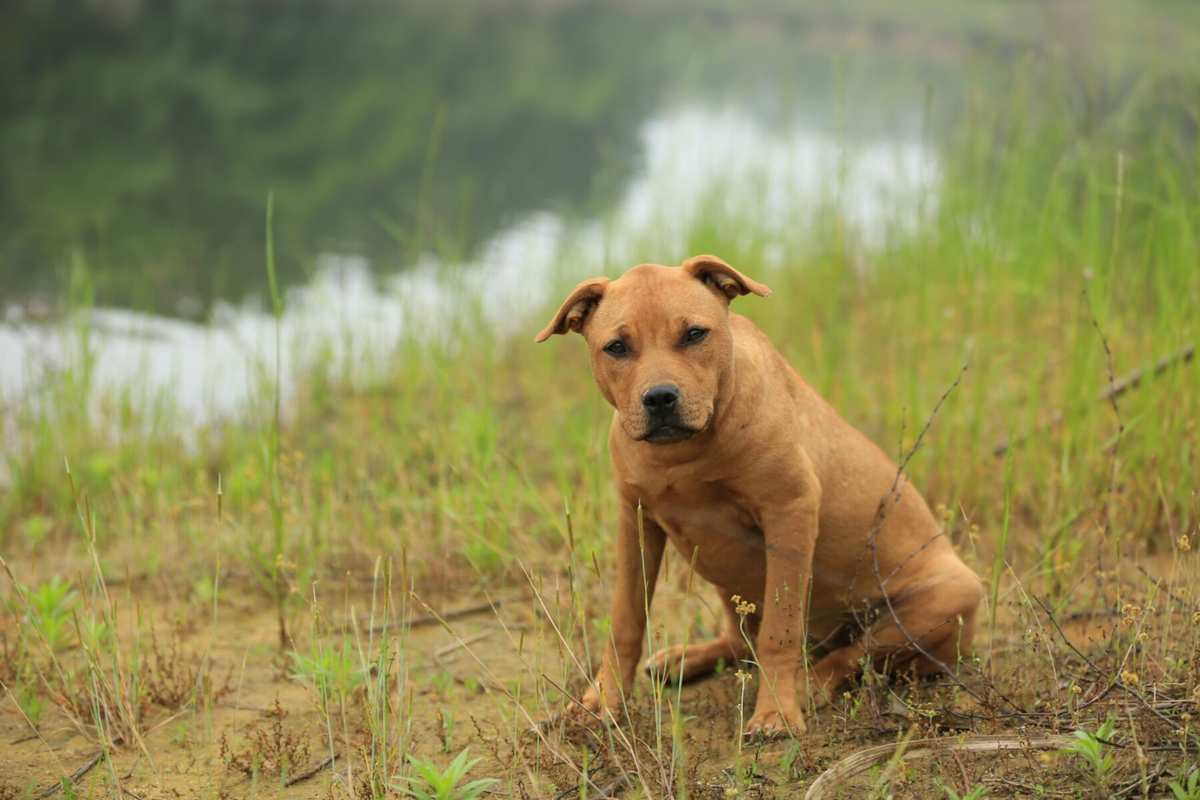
{"x":724,"y":278}
{"x":575,"y":309}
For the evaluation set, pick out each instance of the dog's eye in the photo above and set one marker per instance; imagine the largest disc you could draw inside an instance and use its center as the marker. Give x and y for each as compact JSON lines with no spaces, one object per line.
{"x":695,"y":334}
{"x":616,"y":348}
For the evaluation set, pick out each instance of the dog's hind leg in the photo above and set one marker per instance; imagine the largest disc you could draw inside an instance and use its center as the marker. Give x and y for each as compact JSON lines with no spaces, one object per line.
{"x":685,"y":663}
{"x":920,"y":630}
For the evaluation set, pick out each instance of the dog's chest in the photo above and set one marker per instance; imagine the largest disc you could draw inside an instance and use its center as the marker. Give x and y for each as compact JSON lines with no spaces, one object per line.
{"x":709,"y":527}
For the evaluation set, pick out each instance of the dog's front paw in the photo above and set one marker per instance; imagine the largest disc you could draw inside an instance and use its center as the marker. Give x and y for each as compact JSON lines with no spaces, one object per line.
{"x":769,"y":723}
{"x":590,"y":710}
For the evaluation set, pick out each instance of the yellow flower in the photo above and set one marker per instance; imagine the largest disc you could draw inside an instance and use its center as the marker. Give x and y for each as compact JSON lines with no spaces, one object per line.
{"x":743,"y":608}
{"x":1130,"y":677}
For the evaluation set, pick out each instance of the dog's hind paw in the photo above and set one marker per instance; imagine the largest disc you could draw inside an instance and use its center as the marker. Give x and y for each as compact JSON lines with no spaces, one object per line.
{"x":679,"y":663}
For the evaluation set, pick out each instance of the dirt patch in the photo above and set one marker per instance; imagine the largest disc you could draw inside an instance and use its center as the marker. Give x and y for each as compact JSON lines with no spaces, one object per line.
{"x":230,"y":715}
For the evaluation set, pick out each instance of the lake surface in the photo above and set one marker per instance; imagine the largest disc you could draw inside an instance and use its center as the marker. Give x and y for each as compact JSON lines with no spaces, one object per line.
{"x":350,"y":312}
{"x":418,"y":153}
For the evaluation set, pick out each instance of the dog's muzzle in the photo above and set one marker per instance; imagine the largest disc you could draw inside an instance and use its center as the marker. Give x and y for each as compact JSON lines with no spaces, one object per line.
{"x":663,"y":424}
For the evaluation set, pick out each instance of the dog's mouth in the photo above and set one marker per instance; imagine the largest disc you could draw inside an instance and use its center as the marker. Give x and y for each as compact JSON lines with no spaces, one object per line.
{"x":666,"y":434}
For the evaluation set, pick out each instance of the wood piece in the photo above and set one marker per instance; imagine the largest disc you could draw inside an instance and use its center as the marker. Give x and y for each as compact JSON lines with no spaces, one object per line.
{"x":863,"y":760}
{"x":1112,"y":392}
{"x":55,"y":788}
{"x":303,"y":776}
{"x":430,"y":619}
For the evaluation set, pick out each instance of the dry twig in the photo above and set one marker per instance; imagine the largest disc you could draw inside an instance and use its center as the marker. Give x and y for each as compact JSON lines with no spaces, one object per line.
{"x":863,"y":760}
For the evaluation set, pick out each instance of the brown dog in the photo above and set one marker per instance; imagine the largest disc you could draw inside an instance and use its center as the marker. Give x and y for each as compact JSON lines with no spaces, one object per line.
{"x":762,"y":486}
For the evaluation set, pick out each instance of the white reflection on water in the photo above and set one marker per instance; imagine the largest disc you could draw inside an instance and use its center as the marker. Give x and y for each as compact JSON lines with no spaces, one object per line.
{"x":352,"y":320}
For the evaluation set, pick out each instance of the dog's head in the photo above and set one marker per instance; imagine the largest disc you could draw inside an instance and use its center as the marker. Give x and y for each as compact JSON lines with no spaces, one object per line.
{"x":660,"y":342}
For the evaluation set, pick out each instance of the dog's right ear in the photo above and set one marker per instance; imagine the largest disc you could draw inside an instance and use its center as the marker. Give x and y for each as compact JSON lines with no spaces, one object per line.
{"x":575,"y":309}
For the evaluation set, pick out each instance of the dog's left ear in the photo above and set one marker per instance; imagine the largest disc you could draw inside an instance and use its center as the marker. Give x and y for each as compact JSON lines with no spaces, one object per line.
{"x":723,"y":277}
{"x":575,"y":309}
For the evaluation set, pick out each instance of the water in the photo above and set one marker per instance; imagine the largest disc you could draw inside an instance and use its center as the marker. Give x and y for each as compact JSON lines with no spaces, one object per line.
{"x":423,"y":154}
{"x":348,"y":315}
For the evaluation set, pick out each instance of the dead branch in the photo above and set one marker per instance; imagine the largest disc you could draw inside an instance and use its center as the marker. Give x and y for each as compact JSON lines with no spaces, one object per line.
{"x":863,"y":760}
{"x":1115,"y":682}
{"x":1115,"y":389}
{"x":55,"y":788}
{"x":430,"y":619}
{"x":303,"y":776}
{"x":442,"y":652}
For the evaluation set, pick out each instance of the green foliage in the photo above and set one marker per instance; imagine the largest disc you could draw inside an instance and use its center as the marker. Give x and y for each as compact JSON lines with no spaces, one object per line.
{"x":431,"y":783}
{"x":1090,"y":749}
{"x":95,"y":632}
{"x":1187,"y":787}
{"x":787,"y":762}
{"x":49,"y":607}
{"x":32,"y":704}
{"x":332,"y":671}
{"x":976,"y":793}
{"x":335,"y":111}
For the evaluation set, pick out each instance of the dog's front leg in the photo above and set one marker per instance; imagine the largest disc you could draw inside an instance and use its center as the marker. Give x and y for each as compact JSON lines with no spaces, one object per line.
{"x":639,"y":554}
{"x":790,"y":532}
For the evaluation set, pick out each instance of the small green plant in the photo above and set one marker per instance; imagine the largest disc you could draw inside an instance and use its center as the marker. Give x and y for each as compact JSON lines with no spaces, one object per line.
{"x":1089,"y":748}
{"x":787,"y":763}
{"x":430,"y":783}
{"x":1187,"y":788}
{"x":32,"y":704}
{"x":446,"y":733}
{"x":95,"y":633}
{"x":330,"y":671}
{"x":49,"y":609}
{"x":975,"y":793}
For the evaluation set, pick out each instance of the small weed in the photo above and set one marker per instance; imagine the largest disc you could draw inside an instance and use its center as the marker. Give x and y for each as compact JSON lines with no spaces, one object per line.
{"x":1187,"y":788}
{"x":95,"y":633}
{"x":269,"y":749}
{"x":173,"y":679}
{"x":1089,"y":748}
{"x":48,"y":610}
{"x":431,"y":783}
{"x":975,"y":793}
{"x":329,"y":671}
{"x":446,"y":732}
{"x":32,"y":704}
{"x":788,"y":762}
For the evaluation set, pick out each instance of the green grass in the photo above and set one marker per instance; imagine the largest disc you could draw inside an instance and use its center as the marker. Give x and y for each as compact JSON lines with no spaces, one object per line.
{"x":1053,"y":238}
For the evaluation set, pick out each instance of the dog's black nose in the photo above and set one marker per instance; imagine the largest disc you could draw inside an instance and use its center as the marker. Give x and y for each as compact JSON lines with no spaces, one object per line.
{"x":660,"y":399}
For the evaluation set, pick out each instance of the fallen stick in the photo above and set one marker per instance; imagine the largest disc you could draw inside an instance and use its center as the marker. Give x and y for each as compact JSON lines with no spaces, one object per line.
{"x":303,"y":776}
{"x":1114,"y":390}
{"x":863,"y":760}
{"x":1189,"y":606}
{"x":55,"y":788}
{"x":608,"y":791}
{"x":458,"y":613}
{"x":442,"y":652}
{"x":430,"y":619}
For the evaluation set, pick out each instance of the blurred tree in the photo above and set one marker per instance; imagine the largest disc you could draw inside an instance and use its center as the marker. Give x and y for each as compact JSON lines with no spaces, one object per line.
{"x":147,"y":135}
